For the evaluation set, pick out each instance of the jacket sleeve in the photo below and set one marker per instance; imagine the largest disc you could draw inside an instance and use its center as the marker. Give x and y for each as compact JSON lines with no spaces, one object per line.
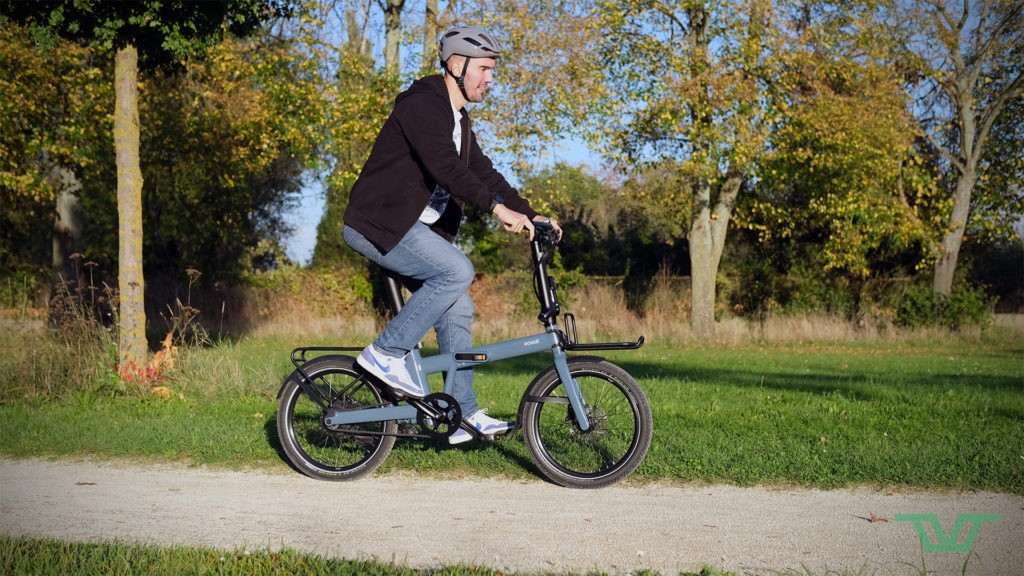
{"x":495,"y":182}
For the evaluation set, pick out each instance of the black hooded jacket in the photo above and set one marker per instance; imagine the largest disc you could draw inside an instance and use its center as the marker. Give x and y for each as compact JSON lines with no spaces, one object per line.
{"x":413,"y":153}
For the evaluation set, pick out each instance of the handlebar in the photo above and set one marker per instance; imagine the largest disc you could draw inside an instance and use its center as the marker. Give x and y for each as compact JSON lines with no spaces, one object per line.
{"x":544,"y":233}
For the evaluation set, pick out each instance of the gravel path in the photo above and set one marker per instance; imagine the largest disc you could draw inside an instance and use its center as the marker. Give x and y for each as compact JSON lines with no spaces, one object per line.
{"x":519,"y":526}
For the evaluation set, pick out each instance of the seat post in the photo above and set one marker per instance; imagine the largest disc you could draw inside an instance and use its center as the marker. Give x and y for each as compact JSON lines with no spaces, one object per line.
{"x":393,"y":295}
{"x":393,"y":291}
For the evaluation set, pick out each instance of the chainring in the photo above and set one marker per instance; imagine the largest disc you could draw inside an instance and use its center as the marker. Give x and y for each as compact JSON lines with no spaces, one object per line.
{"x":438,"y":415}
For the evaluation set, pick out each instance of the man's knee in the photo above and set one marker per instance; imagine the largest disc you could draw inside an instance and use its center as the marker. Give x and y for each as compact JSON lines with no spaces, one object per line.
{"x":459,"y":272}
{"x":463,"y":308}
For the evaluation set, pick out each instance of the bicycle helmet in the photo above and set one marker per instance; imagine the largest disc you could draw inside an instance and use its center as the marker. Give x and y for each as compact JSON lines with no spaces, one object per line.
{"x":468,"y":41}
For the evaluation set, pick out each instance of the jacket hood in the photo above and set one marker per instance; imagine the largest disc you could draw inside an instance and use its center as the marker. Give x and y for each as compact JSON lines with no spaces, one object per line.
{"x":433,"y":84}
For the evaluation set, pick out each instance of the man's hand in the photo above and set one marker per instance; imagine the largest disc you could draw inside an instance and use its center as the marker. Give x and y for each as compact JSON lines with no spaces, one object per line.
{"x":552,"y":221}
{"x":513,"y":221}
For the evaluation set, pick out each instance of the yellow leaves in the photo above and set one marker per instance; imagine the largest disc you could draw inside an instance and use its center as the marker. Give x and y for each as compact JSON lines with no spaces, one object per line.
{"x":161,"y":392}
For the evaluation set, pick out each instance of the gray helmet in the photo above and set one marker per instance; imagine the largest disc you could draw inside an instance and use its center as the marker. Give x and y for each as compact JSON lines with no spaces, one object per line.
{"x":471,"y":41}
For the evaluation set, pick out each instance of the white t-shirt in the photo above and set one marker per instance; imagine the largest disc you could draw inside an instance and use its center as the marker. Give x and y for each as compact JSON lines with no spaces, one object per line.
{"x":439,"y":198}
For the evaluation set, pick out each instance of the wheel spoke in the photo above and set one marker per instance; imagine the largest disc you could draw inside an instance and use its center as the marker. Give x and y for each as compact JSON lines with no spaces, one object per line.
{"x":325,"y":452}
{"x":610,"y":449}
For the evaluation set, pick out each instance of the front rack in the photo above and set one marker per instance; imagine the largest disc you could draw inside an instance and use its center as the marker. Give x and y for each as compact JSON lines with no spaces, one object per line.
{"x":571,"y":340}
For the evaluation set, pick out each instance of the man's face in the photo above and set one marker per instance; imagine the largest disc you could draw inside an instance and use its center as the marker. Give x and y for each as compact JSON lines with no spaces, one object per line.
{"x":478,"y":75}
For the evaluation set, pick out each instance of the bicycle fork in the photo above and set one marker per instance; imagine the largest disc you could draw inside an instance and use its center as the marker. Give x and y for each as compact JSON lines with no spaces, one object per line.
{"x":572,"y":389}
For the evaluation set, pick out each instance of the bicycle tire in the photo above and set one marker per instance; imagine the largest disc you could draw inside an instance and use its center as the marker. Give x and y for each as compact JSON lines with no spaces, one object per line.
{"x":620,"y":433}
{"x":336,"y":454}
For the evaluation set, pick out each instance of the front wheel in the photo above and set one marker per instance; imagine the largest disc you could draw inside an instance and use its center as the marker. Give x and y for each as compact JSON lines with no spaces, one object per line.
{"x":332,"y":453}
{"x":619,"y":435}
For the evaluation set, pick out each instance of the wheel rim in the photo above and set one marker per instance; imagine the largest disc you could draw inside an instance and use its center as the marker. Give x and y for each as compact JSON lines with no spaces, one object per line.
{"x":595,"y":452}
{"x":339,"y":449}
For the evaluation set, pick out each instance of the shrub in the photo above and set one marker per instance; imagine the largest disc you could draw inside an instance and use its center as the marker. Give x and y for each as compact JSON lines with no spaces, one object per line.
{"x":966,"y":305}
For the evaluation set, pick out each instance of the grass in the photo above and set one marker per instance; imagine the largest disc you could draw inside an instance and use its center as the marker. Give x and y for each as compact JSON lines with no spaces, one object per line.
{"x":27,"y":556}
{"x":944,"y":414}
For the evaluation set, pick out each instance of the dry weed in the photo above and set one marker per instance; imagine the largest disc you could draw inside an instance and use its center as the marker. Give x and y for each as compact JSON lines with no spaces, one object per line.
{"x":507,"y":309}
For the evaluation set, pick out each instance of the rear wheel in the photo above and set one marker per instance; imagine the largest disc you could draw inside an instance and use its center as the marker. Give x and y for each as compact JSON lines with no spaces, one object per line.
{"x":332,"y":453}
{"x":613,"y":446}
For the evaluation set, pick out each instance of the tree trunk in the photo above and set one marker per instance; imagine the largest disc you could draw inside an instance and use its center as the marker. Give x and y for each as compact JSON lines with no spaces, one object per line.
{"x":706,"y":239}
{"x":945,"y":266}
{"x":132,"y":348}
{"x":975,"y":52}
{"x":67,"y":224}
{"x":392,"y":35}
{"x":701,"y":236}
{"x":430,"y":34}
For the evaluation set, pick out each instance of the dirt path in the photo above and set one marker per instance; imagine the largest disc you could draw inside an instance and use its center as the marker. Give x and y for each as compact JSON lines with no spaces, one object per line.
{"x":513,"y":526}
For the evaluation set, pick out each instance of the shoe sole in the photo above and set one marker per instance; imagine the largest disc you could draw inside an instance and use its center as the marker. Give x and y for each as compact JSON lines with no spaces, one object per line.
{"x":463,"y":438}
{"x":384,"y":378}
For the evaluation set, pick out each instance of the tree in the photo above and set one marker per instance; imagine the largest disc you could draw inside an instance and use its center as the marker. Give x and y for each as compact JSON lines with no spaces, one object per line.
{"x":392,"y":34}
{"x":226,"y":139}
{"x":358,"y":98}
{"x":998,"y":201}
{"x":686,"y":80}
{"x":841,"y":192}
{"x":969,"y":64}
{"x":431,"y":32}
{"x":548,"y":78}
{"x":162,"y":32}
{"x":51,"y":117}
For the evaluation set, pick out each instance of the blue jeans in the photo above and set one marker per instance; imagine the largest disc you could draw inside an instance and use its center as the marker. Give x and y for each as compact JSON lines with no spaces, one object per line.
{"x":442,"y":300}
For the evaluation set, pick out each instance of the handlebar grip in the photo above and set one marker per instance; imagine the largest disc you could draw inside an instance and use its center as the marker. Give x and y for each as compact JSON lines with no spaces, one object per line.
{"x":545,"y":233}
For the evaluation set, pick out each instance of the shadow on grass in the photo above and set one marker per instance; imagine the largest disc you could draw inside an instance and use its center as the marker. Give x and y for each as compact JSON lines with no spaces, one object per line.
{"x":856,"y":382}
{"x":270,"y":431}
{"x":503,"y":446}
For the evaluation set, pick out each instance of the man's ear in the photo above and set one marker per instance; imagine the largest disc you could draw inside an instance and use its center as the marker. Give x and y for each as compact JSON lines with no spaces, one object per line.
{"x":454,"y":65}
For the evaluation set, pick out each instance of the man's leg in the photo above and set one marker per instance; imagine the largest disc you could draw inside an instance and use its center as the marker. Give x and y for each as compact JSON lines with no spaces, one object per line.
{"x":454,"y":334}
{"x":445,"y":273}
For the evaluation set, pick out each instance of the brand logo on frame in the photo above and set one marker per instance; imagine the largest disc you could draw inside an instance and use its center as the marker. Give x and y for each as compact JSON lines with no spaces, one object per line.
{"x":947,"y":541}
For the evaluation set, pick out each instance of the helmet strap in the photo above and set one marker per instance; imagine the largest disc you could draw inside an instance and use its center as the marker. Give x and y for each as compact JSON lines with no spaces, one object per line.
{"x":460,"y":79}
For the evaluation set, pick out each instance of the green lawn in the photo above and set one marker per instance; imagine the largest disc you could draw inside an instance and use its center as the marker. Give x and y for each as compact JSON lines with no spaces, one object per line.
{"x":944,"y":413}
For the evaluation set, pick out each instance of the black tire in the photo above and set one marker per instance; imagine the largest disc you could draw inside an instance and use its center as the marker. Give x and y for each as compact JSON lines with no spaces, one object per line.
{"x":343,"y":453}
{"x":620,"y":433}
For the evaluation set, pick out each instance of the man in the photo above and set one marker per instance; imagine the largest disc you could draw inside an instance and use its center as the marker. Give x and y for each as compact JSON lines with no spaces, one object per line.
{"x":405,"y":209}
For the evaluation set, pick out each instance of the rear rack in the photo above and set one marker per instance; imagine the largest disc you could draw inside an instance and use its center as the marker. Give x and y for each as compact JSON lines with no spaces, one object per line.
{"x":299,"y":354}
{"x":571,"y":340}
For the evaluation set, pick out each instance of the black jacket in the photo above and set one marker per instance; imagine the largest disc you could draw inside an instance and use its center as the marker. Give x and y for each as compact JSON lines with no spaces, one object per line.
{"x":413,"y":153}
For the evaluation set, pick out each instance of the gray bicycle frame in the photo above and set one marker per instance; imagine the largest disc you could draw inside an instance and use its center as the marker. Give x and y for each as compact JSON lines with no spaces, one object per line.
{"x":420,"y":367}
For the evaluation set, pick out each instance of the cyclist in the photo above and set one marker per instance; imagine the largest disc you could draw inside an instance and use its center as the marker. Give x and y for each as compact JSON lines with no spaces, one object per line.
{"x":406,"y":206}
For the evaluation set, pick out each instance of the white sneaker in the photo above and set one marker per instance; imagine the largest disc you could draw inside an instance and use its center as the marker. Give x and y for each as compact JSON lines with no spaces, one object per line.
{"x":482,"y":422}
{"x":390,"y":370}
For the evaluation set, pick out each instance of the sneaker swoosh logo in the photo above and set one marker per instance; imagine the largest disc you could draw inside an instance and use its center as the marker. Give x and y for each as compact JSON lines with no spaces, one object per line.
{"x":383,"y":368}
